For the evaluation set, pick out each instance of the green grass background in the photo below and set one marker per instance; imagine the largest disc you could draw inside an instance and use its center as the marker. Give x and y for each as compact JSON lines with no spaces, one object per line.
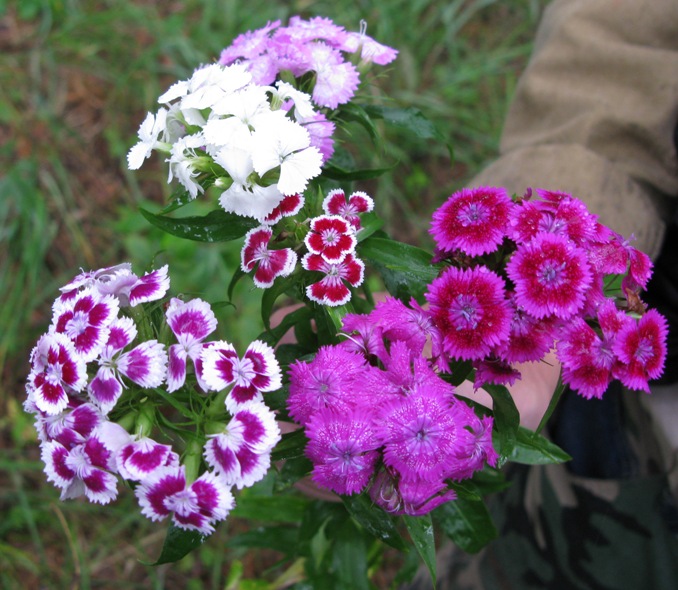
{"x":76,"y":79}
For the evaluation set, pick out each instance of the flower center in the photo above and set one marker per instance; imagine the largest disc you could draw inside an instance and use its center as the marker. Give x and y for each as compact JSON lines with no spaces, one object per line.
{"x":183,"y":503}
{"x":464,"y":313}
{"x":644,"y":352}
{"x":472,"y":214}
{"x":551,"y":274}
{"x":77,"y":324}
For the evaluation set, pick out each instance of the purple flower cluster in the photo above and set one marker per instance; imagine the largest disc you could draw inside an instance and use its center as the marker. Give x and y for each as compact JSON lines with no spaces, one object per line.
{"x":93,"y":371}
{"x":528,"y":276}
{"x":303,"y":46}
{"x":379,"y":417}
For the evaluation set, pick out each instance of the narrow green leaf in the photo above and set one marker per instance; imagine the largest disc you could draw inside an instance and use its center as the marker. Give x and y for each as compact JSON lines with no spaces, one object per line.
{"x":178,"y":543}
{"x":349,"y":557}
{"x":277,"y":508}
{"x":467,"y":522}
{"x":354,"y":112}
{"x":271,"y":295}
{"x":281,"y":538}
{"x":216,"y":226}
{"x":237,"y":275}
{"x":421,"y":533}
{"x":273,"y":336}
{"x":407,"y":270}
{"x":290,"y":446}
{"x":374,"y":520}
{"x":555,"y":398}
{"x":410,"y":119}
{"x":334,"y":172}
{"x":534,"y":449}
{"x":506,"y":417}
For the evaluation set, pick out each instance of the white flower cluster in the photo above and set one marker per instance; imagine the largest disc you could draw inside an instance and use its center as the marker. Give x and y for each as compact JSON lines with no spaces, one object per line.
{"x":220,"y":129}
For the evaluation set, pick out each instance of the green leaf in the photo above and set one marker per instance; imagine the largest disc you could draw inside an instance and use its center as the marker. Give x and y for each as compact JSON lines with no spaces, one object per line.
{"x":280,"y":286}
{"x":421,"y":533}
{"x":216,"y":226}
{"x":370,"y":223}
{"x":506,"y":417}
{"x":534,"y":449}
{"x":277,"y":508}
{"x":407,"y":270}
{"x":334,"y":172}
{"x":374,"y":520}
{"x":178,"y":543}
{"x":349,"y":557}
{"x":410,"y":119}
{"x":273,"y":336}
{"x":467,"y":522}
{"x":354,"y":112}
{"x":291,"y":445}
{"x":281,"y":538}
{"x":555,"y":398}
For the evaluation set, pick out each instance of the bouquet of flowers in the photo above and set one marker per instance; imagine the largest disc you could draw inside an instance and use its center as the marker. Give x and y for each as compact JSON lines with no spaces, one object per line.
{"x":368,"y":389}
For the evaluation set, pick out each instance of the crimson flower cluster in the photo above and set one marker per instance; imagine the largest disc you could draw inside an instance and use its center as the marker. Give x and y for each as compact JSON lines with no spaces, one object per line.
{"x":380,"y":418}
{"x":529,"y":275}
{"x":96,"y":389}
{"x":330,"y":243}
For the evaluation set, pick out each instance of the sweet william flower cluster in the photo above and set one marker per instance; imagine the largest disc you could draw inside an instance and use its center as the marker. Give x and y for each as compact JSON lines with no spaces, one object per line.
{"x":97,"y":384}
{"x":374,"y":388}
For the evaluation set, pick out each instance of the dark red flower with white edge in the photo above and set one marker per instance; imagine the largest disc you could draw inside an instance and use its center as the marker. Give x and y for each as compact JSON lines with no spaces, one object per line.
{"x":335,"y":203}
{"x":290,"y":205}
{"x":331,"y":237}
{"x":470,"y":309}
{"x":641,"y":348}
{"x":332,"y":289}
{"x":551,"y":276}
{"x":269,"y":263}
{"x":472,"y":220}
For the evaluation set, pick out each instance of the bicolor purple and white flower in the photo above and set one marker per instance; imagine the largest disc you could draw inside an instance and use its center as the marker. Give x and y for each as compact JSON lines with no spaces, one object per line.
{"x":257,"y":372}
{"x":269,"y":264}
{"x":120,"y":281}
{"x":57,"y":370}
{"x":86,"y":469}
{"x":196,"y":506}
{"x":85,"y":320}
{"x":240,"y":454}
{"x":145,"y":365}
{"x":143,"y":458}
{"x":191,"y":322}
{"x":332,"y":289}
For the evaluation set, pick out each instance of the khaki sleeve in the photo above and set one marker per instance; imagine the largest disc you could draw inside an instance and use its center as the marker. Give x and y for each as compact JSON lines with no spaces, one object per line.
{"x":595,"y":111}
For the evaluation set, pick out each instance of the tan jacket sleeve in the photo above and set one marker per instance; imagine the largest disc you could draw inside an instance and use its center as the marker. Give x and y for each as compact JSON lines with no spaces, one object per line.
{"x":595,"y":112}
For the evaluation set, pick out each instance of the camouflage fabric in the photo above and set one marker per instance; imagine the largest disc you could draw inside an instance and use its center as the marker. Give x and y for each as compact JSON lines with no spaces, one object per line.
{"x":605,"y":521}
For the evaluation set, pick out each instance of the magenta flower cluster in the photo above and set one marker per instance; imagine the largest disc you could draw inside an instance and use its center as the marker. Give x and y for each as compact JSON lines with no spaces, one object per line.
{"x":93,"y":389}
{"x":527,"y":276}
{"x":379,"y":417}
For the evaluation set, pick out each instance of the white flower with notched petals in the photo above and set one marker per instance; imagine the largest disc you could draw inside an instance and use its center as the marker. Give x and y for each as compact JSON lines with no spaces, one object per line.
{"x":279,"y":142}
{"x":150,"y":132}
{"x":183,"y":160}
{"x":244,"y":196}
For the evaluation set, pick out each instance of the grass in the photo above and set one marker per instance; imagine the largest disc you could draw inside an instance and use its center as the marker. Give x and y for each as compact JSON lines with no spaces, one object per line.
{"x":75,"y":82}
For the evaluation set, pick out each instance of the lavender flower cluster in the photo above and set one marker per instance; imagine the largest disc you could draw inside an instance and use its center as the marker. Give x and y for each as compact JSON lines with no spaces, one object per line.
{"x":98,"y":381}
